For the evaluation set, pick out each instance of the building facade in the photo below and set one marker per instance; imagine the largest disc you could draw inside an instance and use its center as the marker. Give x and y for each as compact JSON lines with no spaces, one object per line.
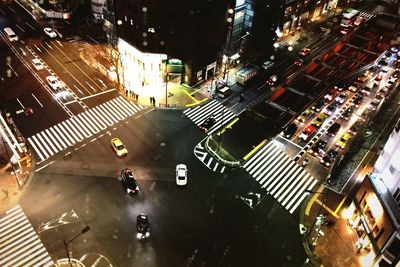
{"x":190,"y":34}
{"x":375,"y":211}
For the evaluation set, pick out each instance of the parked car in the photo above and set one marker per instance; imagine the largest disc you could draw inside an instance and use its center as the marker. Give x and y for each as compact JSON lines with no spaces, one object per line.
{"x":329,"y":110}
{"x":341,"y":98}
{"x":352,"y":88}
{"x":329,"y":158}
{"x":298,"y":62}
{"x":342,"y":143}
{"x":317,"y":122}
{"x":290,"y":130}
{"x":374,"y":104}
{"x":207,"y":124}
{"x":267,"y":65}
{"x":358,"y":21}
{"x":272,"y":80}
{"x":333,"y":129}
{"x":37,"y":64}
{"x":181,"y":174}
{"x":354,"y":128}
{"x":128,"y":181}
{"x":318,"y":148}
{"x":307,"y":133}
{"x":53,"y":82}
{"x":304,"y":51}
{"x":305,"y":115}
{"x":330,"y":95}
{"x":142,"y":226}
{"x":366,"y":90}
{"x":50,"y":32}
{"x":318,"y":105}
{"x":347,"y":113}
{"x":357,"y":100}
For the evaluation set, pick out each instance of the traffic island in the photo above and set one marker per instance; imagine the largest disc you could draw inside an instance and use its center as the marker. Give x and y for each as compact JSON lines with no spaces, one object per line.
{"x":214,"y":146}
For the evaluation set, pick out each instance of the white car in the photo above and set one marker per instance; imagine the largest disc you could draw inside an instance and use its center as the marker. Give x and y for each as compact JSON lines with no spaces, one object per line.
{"x":181,"y":174}
{"x":53,"y":82}
{"x":37,"y":64}
{"x":50,"y":32}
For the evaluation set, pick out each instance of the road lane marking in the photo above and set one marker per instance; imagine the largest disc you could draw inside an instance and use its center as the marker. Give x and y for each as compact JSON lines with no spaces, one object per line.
{"x":12,"y":9}
{"x":84,"y":72}
{"x":19,"y":27}
{"x":37,"y":100}
{"x":20,"y":103}
{"x":33,"y":28}
{"x":109,"y":90}
{"x":37,"y":48}
{"x":81,"y":91}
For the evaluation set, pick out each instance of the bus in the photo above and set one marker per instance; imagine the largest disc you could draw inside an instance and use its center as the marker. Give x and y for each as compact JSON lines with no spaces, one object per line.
{"x":245,"y":74}
{"x":11,"y":34}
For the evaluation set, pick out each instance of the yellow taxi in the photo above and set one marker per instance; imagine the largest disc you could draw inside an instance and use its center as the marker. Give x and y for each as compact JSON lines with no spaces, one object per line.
{"x":343,"y":141}
{"x":305,"y":115}
{"x":317,"y":122}
{"x":118,"y":147}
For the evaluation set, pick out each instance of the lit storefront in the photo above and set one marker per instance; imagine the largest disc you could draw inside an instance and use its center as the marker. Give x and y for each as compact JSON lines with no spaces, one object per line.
{"x":142,"y":73}
{"x":374,"y":213}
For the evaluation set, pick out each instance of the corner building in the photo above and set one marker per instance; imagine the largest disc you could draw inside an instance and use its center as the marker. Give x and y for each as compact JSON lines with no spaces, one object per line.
{"x":180,"y":39}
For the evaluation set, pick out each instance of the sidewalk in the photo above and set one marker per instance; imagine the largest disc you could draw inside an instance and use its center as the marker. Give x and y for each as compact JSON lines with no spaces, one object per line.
{"x":12,"y":184}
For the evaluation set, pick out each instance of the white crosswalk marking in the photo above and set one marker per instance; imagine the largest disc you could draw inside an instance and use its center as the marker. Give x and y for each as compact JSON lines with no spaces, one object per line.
{"x":20,"y":246}
{"x":284,"y":179}
{"x":78,"y":128}
{"x":199,"y":114}
{"x":201,"y":153}
{"x":366,"y":16}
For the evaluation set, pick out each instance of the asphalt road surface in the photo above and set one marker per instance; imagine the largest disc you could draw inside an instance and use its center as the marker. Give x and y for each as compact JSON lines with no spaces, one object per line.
{"x":202,"y":224}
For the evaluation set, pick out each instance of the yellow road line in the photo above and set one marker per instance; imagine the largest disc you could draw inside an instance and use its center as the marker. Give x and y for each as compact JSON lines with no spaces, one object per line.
{"x":313,"y":199}
{"x":255,"y":149}
{"x":340,"y":205}
{"x":327,"y":208}
{"x":228,"y":126}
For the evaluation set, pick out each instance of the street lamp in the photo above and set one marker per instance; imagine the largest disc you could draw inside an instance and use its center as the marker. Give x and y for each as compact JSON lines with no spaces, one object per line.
{"x":84,"y":230}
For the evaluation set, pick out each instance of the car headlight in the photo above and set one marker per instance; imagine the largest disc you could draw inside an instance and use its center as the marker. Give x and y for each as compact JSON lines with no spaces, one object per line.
{"x":139,"y":235}
{"x":147,"y":234}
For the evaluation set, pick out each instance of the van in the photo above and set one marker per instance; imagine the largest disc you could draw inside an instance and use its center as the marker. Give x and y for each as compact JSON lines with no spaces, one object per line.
{"x":11,"y":34}
{"x":224,"y":92}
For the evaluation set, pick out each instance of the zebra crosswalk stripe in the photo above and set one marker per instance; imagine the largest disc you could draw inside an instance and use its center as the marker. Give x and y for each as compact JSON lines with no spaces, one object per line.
{"x":105,"y":119}
{"x":77,"y":128}
{"x":20,"y":246}
{"x":60,"y":140}
{"x":221,"y":114}
{"x":59,"y":148}
{"x":283,"y":178}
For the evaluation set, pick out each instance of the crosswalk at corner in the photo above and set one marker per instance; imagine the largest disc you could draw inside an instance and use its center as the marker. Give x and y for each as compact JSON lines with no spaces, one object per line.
{"x":81,"y":127}
{"x":221,"y":114}
{"x":366,"y":16}
{"x":20,"y":246}
{"x":201,"y":153}
{"x":282,"y":178}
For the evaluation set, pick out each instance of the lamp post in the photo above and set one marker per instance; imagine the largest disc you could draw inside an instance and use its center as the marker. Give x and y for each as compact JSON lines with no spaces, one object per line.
{"x":84,"y":230}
